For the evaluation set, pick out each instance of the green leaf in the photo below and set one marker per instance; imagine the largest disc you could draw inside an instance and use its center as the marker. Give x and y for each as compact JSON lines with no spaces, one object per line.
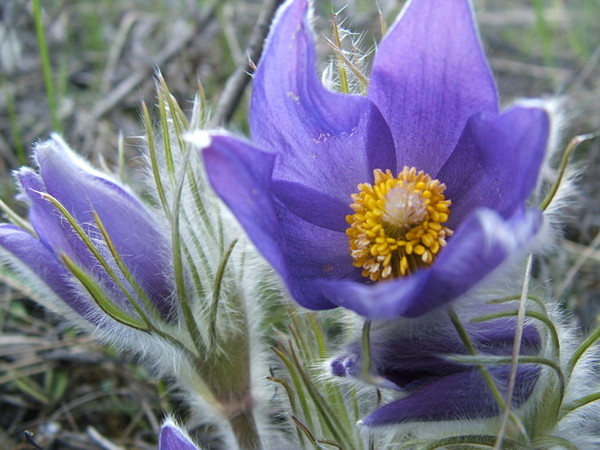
{"x":214,"y":307}
{"x":328,"y":416}
{"x":585,"y":346}
{"x":298,"y":385}
{"x":92,"y":248}
{"x":125,"y":271}
{"x":337,"y":42}
{"x":56,"y":383}
{"x":579,"y":403}
{"x":46,"y":67}
{"x":562,"y":167}
{"x":31,"y":388}
{"x":178,"y":266}
{"x":154,"y":162}
{"x":164,"y":125}
{"x":462,"y":442}
{"x":14,"y":218}
{"x":103,"y":302}
{"x":553,"y":442}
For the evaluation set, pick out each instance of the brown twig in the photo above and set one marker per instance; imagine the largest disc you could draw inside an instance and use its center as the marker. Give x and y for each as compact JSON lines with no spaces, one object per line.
{"x":237,"y":82}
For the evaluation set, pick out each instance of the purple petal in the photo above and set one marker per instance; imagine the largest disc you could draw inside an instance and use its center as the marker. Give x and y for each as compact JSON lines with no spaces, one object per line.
{"x":52,"y":229}
{"x":57,"y":236}
{"x":33,"y":254}
{"x":429,"y":76}
{"x":497,"y":337}
{"x":496,"y":162}
{"x":341,"y":367}
{"x":313,"y":254}
{"x":135,"y":234}
{"x":483,"y":241}
{"x":240,"y":174}
{"x":458,"y":396}
{"x":314,"y":207}
{"x":410,"y":359}
{"x":173,"y":438}
{"x":327,"y":142}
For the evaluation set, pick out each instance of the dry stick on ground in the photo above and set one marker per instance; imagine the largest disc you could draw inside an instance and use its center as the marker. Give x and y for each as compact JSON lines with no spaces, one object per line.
{"x":586,"y":71}
{"x":140,"y":75}
{"x":237,"y":82}
{"x":586,"y":254}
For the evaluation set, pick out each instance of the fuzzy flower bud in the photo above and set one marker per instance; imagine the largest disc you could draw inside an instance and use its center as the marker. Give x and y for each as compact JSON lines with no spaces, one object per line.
{"x":93,"y":243}
{"x":430,"y":370}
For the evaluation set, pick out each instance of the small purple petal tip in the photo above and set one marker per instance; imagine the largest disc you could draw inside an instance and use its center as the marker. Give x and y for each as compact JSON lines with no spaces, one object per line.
{"x":172,"y":437}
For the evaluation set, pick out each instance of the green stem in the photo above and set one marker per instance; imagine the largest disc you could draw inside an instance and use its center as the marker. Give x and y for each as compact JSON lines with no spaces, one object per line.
{"x":154,"y":161}
{"x":489,"y":381}
{"x":562,"y":167}
{"x":579,"y":404}
{"x":466,"y":340}
{"x":340,"y":63}
{"x":366,"y":349}
{"x":515,"y":354}
{"x":587,"y":344}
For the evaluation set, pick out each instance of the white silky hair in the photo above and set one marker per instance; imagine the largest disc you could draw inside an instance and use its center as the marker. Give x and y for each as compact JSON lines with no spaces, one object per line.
{"x":205,"y":233}
{"x":19,"y":276}
{"x":564,"y":204}
{"x":580,"y":426}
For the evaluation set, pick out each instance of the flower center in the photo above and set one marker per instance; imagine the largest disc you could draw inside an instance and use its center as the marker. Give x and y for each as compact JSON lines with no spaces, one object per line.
{"x":397,"y":223}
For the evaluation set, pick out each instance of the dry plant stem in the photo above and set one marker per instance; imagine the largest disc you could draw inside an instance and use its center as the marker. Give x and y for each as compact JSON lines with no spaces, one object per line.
{"x":585,"y":254}
{"x":237,"y":82}
{"x":140,"y":75}
{"x":586,"y":71}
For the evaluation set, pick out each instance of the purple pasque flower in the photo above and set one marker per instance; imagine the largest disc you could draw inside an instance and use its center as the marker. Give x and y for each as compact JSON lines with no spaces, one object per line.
{"x":396,"y":202}
{"x":135,"y":234}
{"x":417,"y":363}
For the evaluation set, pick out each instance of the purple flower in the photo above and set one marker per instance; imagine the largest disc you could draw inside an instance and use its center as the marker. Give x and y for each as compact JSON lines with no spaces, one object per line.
{"x":436,"y":175}
{"x":434,"y":387}
{"x":136,"y":235}
{"x":172,"y":437}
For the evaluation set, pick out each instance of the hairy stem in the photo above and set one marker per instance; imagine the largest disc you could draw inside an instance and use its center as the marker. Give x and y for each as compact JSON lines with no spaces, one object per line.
{"x":245,"y":430}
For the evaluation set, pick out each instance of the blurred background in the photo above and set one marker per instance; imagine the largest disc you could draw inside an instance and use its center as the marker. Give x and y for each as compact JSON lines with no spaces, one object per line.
{"x":83,"y":67}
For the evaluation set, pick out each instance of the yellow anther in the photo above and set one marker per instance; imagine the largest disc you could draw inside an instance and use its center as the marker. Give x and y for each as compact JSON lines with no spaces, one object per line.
{"x":397,"y":225}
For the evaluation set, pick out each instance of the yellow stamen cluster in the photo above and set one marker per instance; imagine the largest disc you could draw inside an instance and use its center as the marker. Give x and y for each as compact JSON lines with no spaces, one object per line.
{"x":397,"y":223}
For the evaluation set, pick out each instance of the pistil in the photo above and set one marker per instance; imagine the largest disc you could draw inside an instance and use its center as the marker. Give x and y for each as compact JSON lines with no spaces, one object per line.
{"x":397,"y":225}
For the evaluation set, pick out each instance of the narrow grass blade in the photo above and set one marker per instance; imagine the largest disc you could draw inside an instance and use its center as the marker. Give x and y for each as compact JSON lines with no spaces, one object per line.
{"x":46,"y":68}
{"x":154,"y":161}
{"x":218,"y":285}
